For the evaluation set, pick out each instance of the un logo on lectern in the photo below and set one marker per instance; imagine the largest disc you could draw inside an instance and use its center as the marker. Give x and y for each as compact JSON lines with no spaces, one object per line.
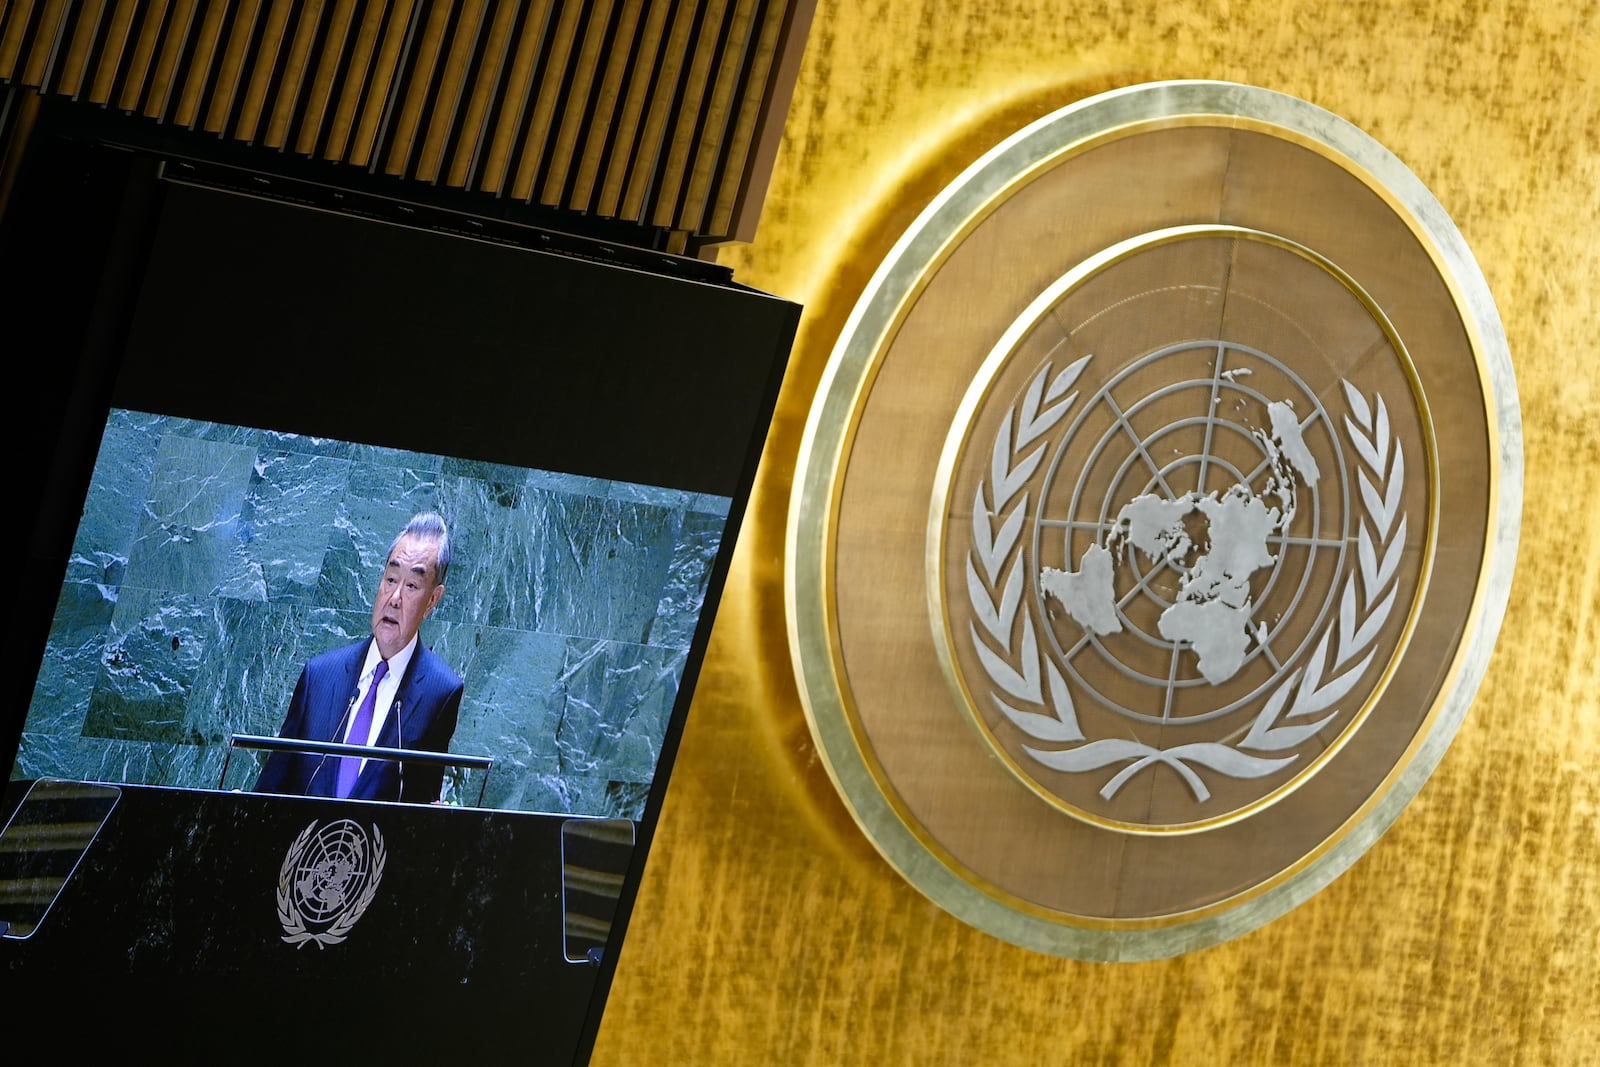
{"x":1154,"y":521}
{"x":329,"y":876}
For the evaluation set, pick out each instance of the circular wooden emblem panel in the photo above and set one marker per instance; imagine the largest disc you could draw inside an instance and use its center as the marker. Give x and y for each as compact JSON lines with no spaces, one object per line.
{"x":1154,"y":520}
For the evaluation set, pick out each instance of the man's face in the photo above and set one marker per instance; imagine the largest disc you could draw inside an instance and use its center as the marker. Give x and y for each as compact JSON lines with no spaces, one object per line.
{"x":406,"y":594}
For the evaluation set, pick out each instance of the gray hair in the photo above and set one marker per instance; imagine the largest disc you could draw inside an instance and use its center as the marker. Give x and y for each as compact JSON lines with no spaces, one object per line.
{"x":428,"y":526}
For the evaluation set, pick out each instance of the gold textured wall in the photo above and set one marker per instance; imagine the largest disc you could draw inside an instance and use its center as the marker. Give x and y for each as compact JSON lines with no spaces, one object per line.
{"x":769,"y":931}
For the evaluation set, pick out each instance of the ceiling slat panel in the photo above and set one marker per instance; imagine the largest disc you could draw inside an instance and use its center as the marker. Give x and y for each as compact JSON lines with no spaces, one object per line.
{"x":310,"y":130}
{"x":86,"y":22}
{"x":13,"y":32}
{"x":413,"y":87}
{"x":597,"y":142}
{"x":150,"y":22}
{"x":474,"y":125}
{"x":202,"y":65}
{"x":687,"y":116}
{"x":46,"y":41}
{"x":263,"y":65}
{"x":717,"y":113}
{"x":375,"y":108}
{"x":297,"y":58}
{"x":587,"y":60}
{"x":445,"y":98}
{"x":110,"y":57}
{"x":663,"y":95}
{"x":231,"y":70}
{"x":752,"y":101}
{"x":170,"y":49}
{"x":512,"y":108}
{"x":357,"y":74}
{"x":547,"y":92}
{"x":640,"y":77}
{"x":643,"y":111}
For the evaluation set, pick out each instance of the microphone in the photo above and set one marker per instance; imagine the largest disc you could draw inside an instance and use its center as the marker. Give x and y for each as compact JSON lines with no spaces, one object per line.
{"x":338,"y":732}
{"x":400,"y":742}
{"x":349,"y":706}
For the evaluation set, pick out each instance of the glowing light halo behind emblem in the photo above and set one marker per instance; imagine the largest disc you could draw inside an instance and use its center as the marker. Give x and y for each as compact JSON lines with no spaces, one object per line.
{"x":1331,"y":669}
{"x":918,"y":779}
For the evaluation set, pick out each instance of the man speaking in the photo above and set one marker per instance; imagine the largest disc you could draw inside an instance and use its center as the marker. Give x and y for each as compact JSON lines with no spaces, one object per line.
{"x":387,"y":691}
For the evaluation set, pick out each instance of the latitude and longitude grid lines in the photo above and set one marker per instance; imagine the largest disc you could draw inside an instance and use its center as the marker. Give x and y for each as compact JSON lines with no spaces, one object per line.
{"x":1105,"y":523}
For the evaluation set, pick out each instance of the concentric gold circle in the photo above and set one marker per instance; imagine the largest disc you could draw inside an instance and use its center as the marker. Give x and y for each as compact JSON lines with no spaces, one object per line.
{"x":1179,"y":414}
{"x":1113,"y":542}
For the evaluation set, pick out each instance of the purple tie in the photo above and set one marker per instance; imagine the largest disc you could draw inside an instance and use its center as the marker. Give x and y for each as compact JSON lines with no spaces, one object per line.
{"x":350,"y":766}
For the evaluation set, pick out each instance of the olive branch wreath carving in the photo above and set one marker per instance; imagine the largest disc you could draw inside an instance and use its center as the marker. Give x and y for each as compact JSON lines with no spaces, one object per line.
{"x":294,"y":927}
{"x":1030,"y":677}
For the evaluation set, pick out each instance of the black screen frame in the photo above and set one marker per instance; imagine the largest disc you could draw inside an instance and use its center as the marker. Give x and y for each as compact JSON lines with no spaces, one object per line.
{"x":82,"y":226}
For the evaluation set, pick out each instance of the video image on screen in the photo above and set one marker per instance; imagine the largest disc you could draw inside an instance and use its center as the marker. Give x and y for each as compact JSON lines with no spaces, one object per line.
{"x":212,"y":561}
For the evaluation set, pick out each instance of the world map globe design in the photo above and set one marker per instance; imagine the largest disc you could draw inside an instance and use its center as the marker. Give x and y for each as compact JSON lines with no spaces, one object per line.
{"x":332,"y":871}
{"x":1191,"y":515}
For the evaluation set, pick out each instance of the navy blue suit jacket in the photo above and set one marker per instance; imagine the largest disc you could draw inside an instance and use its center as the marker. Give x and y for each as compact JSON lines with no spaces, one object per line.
{"x":428,"y":702}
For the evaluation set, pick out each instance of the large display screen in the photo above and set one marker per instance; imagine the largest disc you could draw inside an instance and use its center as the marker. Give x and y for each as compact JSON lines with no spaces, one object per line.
{"x":213,"y":561}
{"x":294,"y":387}
{"x":244,"y":401}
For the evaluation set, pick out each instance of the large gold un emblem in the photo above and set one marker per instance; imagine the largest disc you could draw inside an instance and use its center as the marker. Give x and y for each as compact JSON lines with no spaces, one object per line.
{"x":1154,"y":521}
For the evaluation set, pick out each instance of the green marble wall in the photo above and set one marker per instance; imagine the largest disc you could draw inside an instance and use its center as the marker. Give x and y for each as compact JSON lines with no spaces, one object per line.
{"x":212,"y":561}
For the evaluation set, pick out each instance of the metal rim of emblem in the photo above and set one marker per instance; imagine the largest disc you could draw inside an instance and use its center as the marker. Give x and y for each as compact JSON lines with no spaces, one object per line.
{"x":1165,"y":268}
